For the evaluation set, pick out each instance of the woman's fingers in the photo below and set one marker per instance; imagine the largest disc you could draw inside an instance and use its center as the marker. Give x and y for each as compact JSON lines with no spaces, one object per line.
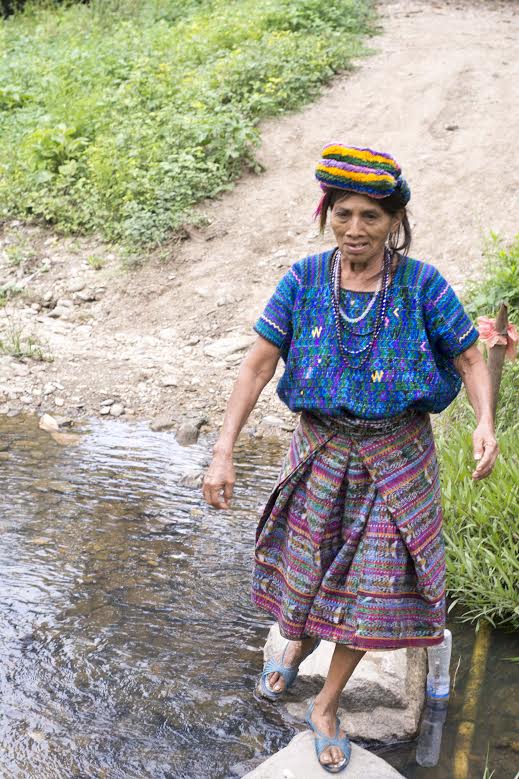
{"x":218,"y":486}
{"x":485,"y":452}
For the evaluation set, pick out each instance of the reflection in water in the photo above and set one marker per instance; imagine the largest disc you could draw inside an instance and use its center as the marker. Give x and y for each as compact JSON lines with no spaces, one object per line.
{"x":129,"y":646}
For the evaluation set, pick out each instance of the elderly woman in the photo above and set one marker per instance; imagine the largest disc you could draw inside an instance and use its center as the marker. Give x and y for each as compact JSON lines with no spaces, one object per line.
{"x":349,"y":548}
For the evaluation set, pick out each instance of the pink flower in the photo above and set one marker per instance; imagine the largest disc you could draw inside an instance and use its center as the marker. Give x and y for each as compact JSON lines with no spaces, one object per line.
{"x":489,"y":335}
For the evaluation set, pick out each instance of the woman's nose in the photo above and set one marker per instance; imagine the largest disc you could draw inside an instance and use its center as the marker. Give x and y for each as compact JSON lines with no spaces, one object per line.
{"x":354,"y":226}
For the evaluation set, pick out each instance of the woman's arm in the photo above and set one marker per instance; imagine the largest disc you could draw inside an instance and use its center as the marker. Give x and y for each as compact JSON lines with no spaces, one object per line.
{"x":474,"y":373}
{"x":255,"y":372}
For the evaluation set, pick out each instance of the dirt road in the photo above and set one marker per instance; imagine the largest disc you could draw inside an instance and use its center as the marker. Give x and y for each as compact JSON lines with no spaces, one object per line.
{"x":439,"y":93}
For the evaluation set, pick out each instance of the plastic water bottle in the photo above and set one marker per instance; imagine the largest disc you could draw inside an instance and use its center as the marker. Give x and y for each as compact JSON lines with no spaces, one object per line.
{"x":435,"y":712}
{"x":438,"y":679}
{"x":430,"y":738}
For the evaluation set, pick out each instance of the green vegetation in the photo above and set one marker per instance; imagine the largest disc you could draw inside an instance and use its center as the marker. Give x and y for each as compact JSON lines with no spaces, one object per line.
{"x":17,"y":343}
{"x":501,"y":281}
{"x":119,"y":116}
{"x":482,"y":519}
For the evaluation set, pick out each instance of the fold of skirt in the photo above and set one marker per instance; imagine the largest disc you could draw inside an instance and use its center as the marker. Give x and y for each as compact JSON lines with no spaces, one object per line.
{"x":349,"y":547}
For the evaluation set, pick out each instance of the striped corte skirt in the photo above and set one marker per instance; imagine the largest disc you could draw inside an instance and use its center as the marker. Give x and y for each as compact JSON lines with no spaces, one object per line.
{"x":349,"y":547}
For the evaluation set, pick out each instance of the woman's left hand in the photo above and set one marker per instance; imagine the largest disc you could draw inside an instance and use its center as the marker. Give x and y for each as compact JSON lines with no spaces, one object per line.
{"x":485,"y":450}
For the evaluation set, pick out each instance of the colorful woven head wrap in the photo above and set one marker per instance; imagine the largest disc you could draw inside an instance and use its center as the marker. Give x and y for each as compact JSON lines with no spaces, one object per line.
{"x":364,"y":171}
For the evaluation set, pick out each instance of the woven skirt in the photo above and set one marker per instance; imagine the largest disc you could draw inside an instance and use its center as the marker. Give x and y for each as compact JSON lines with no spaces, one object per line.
{"x":349,"y":547}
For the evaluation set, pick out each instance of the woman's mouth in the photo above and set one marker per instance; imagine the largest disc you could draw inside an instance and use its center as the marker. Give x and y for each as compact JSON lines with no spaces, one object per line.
{"x":355,"y":248}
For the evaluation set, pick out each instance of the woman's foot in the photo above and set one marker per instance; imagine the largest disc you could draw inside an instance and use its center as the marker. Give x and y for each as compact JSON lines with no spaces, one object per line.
{"x":325,"y":720}
{"x":293,"y":655}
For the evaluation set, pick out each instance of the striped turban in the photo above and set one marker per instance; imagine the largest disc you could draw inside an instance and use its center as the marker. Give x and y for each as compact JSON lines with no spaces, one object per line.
{"x":367,"y":172}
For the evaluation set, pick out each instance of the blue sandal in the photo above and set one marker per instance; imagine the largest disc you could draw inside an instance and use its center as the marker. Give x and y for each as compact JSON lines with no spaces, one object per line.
{"x":322,"y":742}
{"x":288,"y":673}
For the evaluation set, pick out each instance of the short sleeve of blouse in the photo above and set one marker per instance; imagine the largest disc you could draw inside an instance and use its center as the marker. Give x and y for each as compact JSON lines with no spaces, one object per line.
{"x":275,"y":323}
{"x":450,"y":329}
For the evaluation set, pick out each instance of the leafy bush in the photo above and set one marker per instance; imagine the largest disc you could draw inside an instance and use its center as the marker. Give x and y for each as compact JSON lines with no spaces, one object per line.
{"x":500,"y":283}
{"x":120,"y":116}
{"x":482,"y":518}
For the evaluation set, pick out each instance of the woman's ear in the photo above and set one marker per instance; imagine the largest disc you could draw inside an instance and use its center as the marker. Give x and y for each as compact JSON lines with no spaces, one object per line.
{"x":397,"y":221}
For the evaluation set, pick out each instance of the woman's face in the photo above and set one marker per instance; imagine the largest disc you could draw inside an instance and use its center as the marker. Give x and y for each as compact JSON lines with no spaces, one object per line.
{"x":361,"y":228}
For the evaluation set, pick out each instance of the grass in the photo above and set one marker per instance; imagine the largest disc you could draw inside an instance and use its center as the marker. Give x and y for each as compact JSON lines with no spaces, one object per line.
{"x":119,"y":116}
{"x":17,"y":343}
{"x":481,"y":525}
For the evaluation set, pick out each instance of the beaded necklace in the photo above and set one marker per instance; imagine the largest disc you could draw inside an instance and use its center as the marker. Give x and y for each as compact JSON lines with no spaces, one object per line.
{"x":335,"y":273}
{"x":371,"y":302}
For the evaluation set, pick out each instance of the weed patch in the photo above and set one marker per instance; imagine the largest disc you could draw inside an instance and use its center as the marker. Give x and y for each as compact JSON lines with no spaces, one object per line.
{"x":481,"y":524}
{"x":119,"y":117}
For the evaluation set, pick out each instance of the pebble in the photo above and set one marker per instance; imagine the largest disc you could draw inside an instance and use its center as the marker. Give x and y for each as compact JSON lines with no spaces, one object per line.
{"x":87,"y":296}
{"x":59,"y":311}
{"x":76,"y":285}
{"x":163,"y":422}
{"x":225,"y":346}
{"x":116,"y":410}
{"x":169,"y":381}
{"x":108,"y":402}
{"x":65,"y":439}
{"x":104,"y":410}
{"x":192,"y":479}
{"x":187,"y":434}
{"x":59,"y":402}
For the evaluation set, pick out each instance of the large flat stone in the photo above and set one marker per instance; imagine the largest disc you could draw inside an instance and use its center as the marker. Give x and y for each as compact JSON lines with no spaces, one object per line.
{"x":382,"y":701}
{"x":298,"y":761}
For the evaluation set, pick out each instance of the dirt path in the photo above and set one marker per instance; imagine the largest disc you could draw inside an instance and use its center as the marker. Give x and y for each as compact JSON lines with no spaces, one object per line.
{"x":439,"y":93}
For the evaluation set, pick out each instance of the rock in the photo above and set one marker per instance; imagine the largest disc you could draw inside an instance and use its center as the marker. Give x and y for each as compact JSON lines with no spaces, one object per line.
{"x":20,"y":369}
{"x":86,"y":296}
{"x":225,"y":346}
{"x":298,"y":759}
{"x":76,"y":285}
{"x":187,"y":434}
{"x":59,"y":402}
{"x":104,"y":410}
{"x":108,"y":402}
{"x":169,"y":381}
{"x":49,"y":388}
{"x":452,"y":127}
{"x":224,"y":299}
{"x":192,"y":479}
{"x":116,"y":410}
{"x":272,"y":421}
{"x":163,"y":422}
{"x":65,"y":439}
{"x":149,"y":340}
{"x":59,"y":311}
{"x":64,"y":421}
{"x":382,"y":701}
{"x":168,"y":333}
{"x":48,"y":423}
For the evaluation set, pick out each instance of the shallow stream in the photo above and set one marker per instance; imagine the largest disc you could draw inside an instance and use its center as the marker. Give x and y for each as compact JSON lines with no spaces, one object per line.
{"x":129,"y":646}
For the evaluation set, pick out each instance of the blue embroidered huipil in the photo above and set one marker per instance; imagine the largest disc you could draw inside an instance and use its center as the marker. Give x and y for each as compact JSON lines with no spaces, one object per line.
{"x":410,"y":365}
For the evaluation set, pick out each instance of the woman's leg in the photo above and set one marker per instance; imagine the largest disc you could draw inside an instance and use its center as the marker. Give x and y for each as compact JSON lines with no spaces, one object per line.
{"x":344,"y":661}
{"x":295,"y":653}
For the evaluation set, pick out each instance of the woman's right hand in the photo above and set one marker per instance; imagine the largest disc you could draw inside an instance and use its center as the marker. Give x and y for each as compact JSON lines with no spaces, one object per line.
{"x":219,"y":482}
